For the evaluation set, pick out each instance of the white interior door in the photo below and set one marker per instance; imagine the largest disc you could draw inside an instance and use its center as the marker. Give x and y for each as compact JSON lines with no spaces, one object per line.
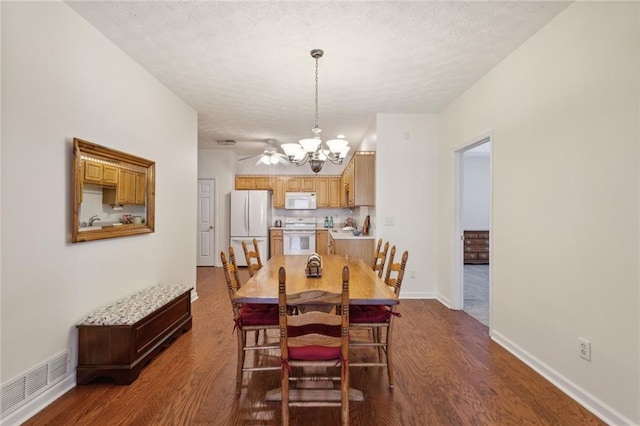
{"x":206,"y":227}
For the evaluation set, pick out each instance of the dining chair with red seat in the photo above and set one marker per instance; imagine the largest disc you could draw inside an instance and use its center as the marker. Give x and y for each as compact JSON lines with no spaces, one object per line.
{"x":380,"y":318}
{"x":379,"y":257}
{"x":248,"y":317}
{"x":254,"y":263}
{"x":318,"y":339}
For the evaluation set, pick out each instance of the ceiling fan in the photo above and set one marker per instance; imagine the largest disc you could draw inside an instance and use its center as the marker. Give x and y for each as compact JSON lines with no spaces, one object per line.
{"x":270,"y":155}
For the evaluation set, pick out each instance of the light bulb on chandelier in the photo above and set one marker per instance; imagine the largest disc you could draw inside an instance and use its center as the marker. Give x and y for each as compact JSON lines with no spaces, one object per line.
{"x":312,"y":150}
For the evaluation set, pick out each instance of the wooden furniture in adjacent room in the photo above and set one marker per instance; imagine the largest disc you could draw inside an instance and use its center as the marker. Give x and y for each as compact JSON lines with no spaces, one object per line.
{"x":120,"y":339}
{"x":476,"y":247}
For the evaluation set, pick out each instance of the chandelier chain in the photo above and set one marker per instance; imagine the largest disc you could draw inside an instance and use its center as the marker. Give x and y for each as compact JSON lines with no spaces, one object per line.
{"x":316,"y":93}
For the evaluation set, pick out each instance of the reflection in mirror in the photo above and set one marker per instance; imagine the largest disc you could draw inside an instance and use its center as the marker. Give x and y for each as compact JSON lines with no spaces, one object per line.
{"x":113,"y":193}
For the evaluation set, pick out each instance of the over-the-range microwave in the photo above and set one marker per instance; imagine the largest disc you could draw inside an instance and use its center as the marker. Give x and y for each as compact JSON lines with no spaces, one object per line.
{"x":300,"y":200}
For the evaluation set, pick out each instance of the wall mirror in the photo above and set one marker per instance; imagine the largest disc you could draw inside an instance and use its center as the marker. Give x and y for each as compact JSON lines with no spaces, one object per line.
{"x":113,"y":193}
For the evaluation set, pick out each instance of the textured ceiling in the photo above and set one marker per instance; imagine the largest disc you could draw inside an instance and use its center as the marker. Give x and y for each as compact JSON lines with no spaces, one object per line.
{"x":245,"y":66}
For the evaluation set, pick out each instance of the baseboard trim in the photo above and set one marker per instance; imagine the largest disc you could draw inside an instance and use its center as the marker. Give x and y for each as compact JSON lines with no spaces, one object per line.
{"x":32,"y":407}
{"x":417,"y":295}
{"x":584,"y":398}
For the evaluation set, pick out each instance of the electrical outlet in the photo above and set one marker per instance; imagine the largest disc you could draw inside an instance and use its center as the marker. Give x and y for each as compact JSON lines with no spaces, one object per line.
{"x":389,"y":221}
{"x":584,"y":348}
{"x":412,"y":275}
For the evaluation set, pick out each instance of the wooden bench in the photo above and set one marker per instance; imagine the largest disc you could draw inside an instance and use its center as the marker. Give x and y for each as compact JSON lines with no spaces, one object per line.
{"x":118,"y":340}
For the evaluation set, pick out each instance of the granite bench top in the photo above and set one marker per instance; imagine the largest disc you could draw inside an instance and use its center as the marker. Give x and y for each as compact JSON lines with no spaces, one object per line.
{"x":131,"y":309}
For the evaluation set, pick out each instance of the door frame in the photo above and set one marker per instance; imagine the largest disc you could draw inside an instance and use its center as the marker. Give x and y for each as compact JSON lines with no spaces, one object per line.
{"x":458,"y":232}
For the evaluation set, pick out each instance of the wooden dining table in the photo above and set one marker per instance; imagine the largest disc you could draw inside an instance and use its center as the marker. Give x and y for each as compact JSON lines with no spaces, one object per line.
{"x":365,"y":288}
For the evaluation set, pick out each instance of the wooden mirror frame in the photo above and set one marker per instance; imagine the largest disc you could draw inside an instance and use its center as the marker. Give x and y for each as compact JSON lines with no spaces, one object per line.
{"x":88,"y":149}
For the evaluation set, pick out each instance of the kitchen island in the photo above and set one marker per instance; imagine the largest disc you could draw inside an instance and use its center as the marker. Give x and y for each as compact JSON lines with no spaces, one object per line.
{"x":344,"y":243}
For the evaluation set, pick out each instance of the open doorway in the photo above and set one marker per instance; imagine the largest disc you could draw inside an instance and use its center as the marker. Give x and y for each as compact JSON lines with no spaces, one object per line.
{"x":473,"y":202}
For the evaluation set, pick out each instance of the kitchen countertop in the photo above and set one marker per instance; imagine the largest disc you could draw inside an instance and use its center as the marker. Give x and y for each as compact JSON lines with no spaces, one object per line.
{"x":348,"y":235}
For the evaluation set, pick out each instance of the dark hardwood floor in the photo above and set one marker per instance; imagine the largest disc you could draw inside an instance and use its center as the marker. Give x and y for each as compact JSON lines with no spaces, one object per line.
{"x":448,"y":372}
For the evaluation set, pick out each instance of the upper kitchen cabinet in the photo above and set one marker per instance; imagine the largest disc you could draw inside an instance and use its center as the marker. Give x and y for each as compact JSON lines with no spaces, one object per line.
{"x":131,"y":189}
{"x":358,"y":179}
{"x":301,"y":184}
{"x":256,"y":182}
{"x":328,"y":191}
{"x":99,"y":173}
{"x":279,"y":185}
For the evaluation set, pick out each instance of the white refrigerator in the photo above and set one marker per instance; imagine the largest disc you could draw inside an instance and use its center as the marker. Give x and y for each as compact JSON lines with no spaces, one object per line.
{"x":249,"y":219}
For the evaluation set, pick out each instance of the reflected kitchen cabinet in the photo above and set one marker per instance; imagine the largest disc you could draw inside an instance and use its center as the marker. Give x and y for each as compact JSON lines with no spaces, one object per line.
{"x":98,"y":173}
{"x":131,"y":189}
{"x":102,"y":176}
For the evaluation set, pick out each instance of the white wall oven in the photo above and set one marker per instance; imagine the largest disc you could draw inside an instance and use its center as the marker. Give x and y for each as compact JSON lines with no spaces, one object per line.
{"x":299,"y":235}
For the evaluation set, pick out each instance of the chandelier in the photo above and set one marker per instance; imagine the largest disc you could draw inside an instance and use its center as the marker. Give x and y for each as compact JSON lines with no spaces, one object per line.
{"x":312,"y":150}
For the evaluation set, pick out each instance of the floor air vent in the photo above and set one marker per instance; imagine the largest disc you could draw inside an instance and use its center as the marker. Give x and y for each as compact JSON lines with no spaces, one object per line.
{"x":19,"y":391}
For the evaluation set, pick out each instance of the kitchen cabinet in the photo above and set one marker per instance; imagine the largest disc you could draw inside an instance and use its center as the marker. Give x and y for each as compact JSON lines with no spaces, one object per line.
{"x":100,"y":174}
{"x":276,"y":244}
{"x":131,"y":189}
{"x":301,"y":184}
{"x":141,"y":188}
{"x":322,"y":241}
{"x":279,"y":186}
{"x":334,"y":192}
{"x":476,"y":247}
{"x":359,"y":179}
{"x":253,"y":182}
{"x":355,"y":247}
{"x":328,"y":191}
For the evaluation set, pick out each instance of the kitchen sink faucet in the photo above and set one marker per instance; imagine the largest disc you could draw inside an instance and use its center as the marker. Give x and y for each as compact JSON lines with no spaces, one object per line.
{"x":93,"y":219}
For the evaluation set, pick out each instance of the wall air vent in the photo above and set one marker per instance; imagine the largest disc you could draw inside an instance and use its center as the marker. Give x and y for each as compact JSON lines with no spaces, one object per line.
{"x":31,"y":384}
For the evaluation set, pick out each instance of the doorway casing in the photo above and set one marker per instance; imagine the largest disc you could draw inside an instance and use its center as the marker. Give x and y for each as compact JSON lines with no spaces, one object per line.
{"x":458,"y":231}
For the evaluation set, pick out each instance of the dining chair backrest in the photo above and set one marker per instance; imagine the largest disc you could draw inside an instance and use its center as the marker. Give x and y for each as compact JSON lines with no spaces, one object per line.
{"x":314,"y":338}
{"x":254,"y":262}
{"x":379,"y":257}
{"x":395,"y":271}
{"x":232,"y":278}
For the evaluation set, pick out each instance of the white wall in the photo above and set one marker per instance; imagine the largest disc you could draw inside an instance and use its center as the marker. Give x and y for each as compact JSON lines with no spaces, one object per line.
{"x":476,"y":191}
{"x":62,"y":79}
{"x":406,"y":191}
{"x":220,"y":165}
{"x":564,"y":110}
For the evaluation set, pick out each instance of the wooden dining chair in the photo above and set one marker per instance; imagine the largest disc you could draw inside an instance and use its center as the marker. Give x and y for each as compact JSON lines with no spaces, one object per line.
{"x":311,"y":339}
{"x":379,"y":257}
{"x":254,"y":262}
{"x":380,"y":319}
{"x":248,"y":317}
